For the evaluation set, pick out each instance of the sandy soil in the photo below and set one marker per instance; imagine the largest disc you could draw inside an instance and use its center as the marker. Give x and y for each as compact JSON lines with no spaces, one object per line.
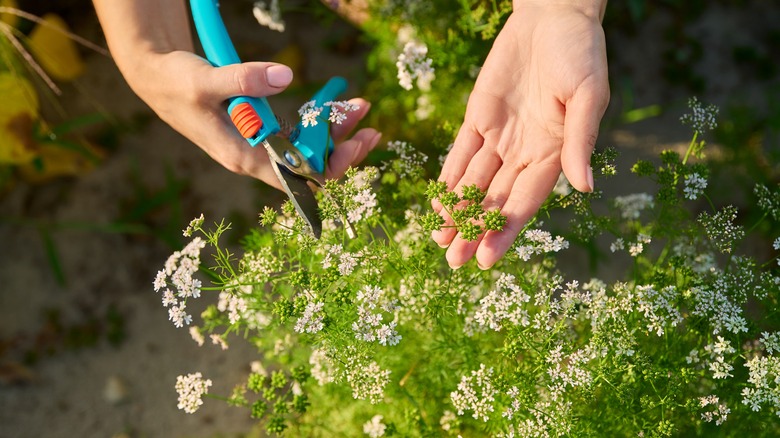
{"x":127,"y":390}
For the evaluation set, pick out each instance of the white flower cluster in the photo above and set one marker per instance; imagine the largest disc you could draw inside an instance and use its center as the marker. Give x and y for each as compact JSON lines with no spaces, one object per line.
{"x":631,"y":206}
{"x":218,"y":340}
{"x":345,"y":261}
{"x":570,"y":370}
{"x":701,"y":262}
{"x":540,"y":242}
{"x":547,"y":288}
{"x":310,"y":113}
{"x":339,"y":110}
{"x":364,"y":199}
{"x":770,"y":342}
{"x":718,"y":351}
{"x":374,"y":428}
{"x":701,"y":119}
{"x":692,"y":357}
{"x":604,"y":307}
{"x":312,"y":319}
{"x":258,"y":266}
{"x":370,"y":327}
{"x":232,"y":301}
{"x":658,"y":307}
{"x":618,"y":245}
{"x":414,"y":296}
{"x":694,"y":186}
{"x":197,"y":336}
{"x":475,"y":393}
{"x":269,"y":16}
{"x":764,"y":376}
{"x":191,"y":389}
{"x":448,"y":421}
{"x":714,"y":304}
{"x":366,"y":206}
{"x":572,"y":299}
{"x":193,"y":225}
{"x":562,"y":187}
{"x":776,"y":245}
{"x":178,"y":272}
{"x":720,"y":228}
{"x":412,"y":64}
{"x":503,"y":304}
{"x":323,"y":369}
{"x":410,"y":236}
{"x":634,"y":248}
{"x":424,"y":107}
{"x":514,"y":406}
{"x":367,"y":380}
{"x":409,"y":163}
{"x":548,"y":420}
{"x":720,"y":412}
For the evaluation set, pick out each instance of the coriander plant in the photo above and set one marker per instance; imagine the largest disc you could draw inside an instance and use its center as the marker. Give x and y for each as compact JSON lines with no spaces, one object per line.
{"x":374,"y":335}
{"x":368,"y":332}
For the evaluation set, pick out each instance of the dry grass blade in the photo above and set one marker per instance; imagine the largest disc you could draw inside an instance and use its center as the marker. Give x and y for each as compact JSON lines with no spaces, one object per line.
{"x":38,"y":20}
{"x":8,"y":31}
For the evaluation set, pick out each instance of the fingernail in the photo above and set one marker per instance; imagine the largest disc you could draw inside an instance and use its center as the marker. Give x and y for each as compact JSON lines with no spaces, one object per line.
{"x":278,"y":75}
{"x":481,"y":266}
{"x":455,"y":267}
{"x":375,"y":140}
{"x":590,"y":178}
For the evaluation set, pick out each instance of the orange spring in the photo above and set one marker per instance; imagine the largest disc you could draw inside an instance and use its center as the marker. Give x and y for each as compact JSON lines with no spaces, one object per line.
{"x":246,"y":120}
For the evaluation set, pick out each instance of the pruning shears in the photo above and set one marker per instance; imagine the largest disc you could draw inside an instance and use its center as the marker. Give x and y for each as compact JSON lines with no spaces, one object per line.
{"x":298,"y":158}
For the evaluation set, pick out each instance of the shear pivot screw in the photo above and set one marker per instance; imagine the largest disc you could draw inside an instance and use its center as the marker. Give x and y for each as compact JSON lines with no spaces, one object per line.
{"x":292,"y":158}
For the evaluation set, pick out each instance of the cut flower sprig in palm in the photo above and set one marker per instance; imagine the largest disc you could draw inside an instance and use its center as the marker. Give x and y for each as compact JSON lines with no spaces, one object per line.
{"x":468,"y":215}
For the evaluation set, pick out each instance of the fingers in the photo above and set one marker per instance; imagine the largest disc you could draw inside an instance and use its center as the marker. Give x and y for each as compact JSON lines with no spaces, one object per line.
{"x":460,"y":251}
{"x":351,"y":152}
{"x":467,"y":144}
{"x":480,"y":171}
{"x":580,"y":130}
{"x":257,"y":79}
{"x":527,"y":194}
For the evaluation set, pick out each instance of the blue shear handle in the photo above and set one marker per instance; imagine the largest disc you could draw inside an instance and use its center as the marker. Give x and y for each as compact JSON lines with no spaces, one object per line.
{"x":220,"y":52}
{"x":314,"y":141}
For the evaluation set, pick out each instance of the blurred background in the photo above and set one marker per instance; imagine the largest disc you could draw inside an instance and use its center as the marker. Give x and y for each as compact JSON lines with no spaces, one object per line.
{"x":95,"y":190}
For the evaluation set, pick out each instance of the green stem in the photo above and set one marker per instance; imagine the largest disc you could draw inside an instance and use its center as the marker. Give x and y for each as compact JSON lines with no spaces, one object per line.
{"x":755,"y":225}
{"x":690,"y":147}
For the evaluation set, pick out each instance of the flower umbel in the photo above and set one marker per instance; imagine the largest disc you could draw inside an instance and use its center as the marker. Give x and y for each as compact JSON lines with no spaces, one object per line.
{"x":701,"y":118}
{"x":191,"y":389}
{"x":412,"y":64}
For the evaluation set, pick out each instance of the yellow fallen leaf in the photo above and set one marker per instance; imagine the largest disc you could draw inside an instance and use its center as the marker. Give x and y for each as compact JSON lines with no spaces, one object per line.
{"x":55,"y":161}
{"x":55,"y":51}
{"x":9,"y":19}
{"x":18,"y":111}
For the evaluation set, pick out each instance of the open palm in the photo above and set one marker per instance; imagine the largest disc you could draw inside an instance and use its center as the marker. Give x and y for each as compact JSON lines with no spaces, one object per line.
{"x":534,"y":111}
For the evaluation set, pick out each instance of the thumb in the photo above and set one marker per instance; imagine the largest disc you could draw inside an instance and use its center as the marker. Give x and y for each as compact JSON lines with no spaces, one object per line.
{"x":580,"y":130}
{"x":256,"y":79}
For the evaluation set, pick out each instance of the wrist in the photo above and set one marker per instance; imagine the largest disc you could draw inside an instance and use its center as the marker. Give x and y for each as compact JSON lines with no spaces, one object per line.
{"x":137,"y":31}
{"x":591,"y":8}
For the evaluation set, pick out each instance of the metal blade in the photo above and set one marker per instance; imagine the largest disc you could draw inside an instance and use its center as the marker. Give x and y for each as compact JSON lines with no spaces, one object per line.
{"x":293,"y":171}
{"x":301,"y":196}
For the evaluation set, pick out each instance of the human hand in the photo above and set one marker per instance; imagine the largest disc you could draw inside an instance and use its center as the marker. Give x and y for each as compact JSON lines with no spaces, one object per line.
{"x":534,"y":111}
{"x":189,"y":94}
